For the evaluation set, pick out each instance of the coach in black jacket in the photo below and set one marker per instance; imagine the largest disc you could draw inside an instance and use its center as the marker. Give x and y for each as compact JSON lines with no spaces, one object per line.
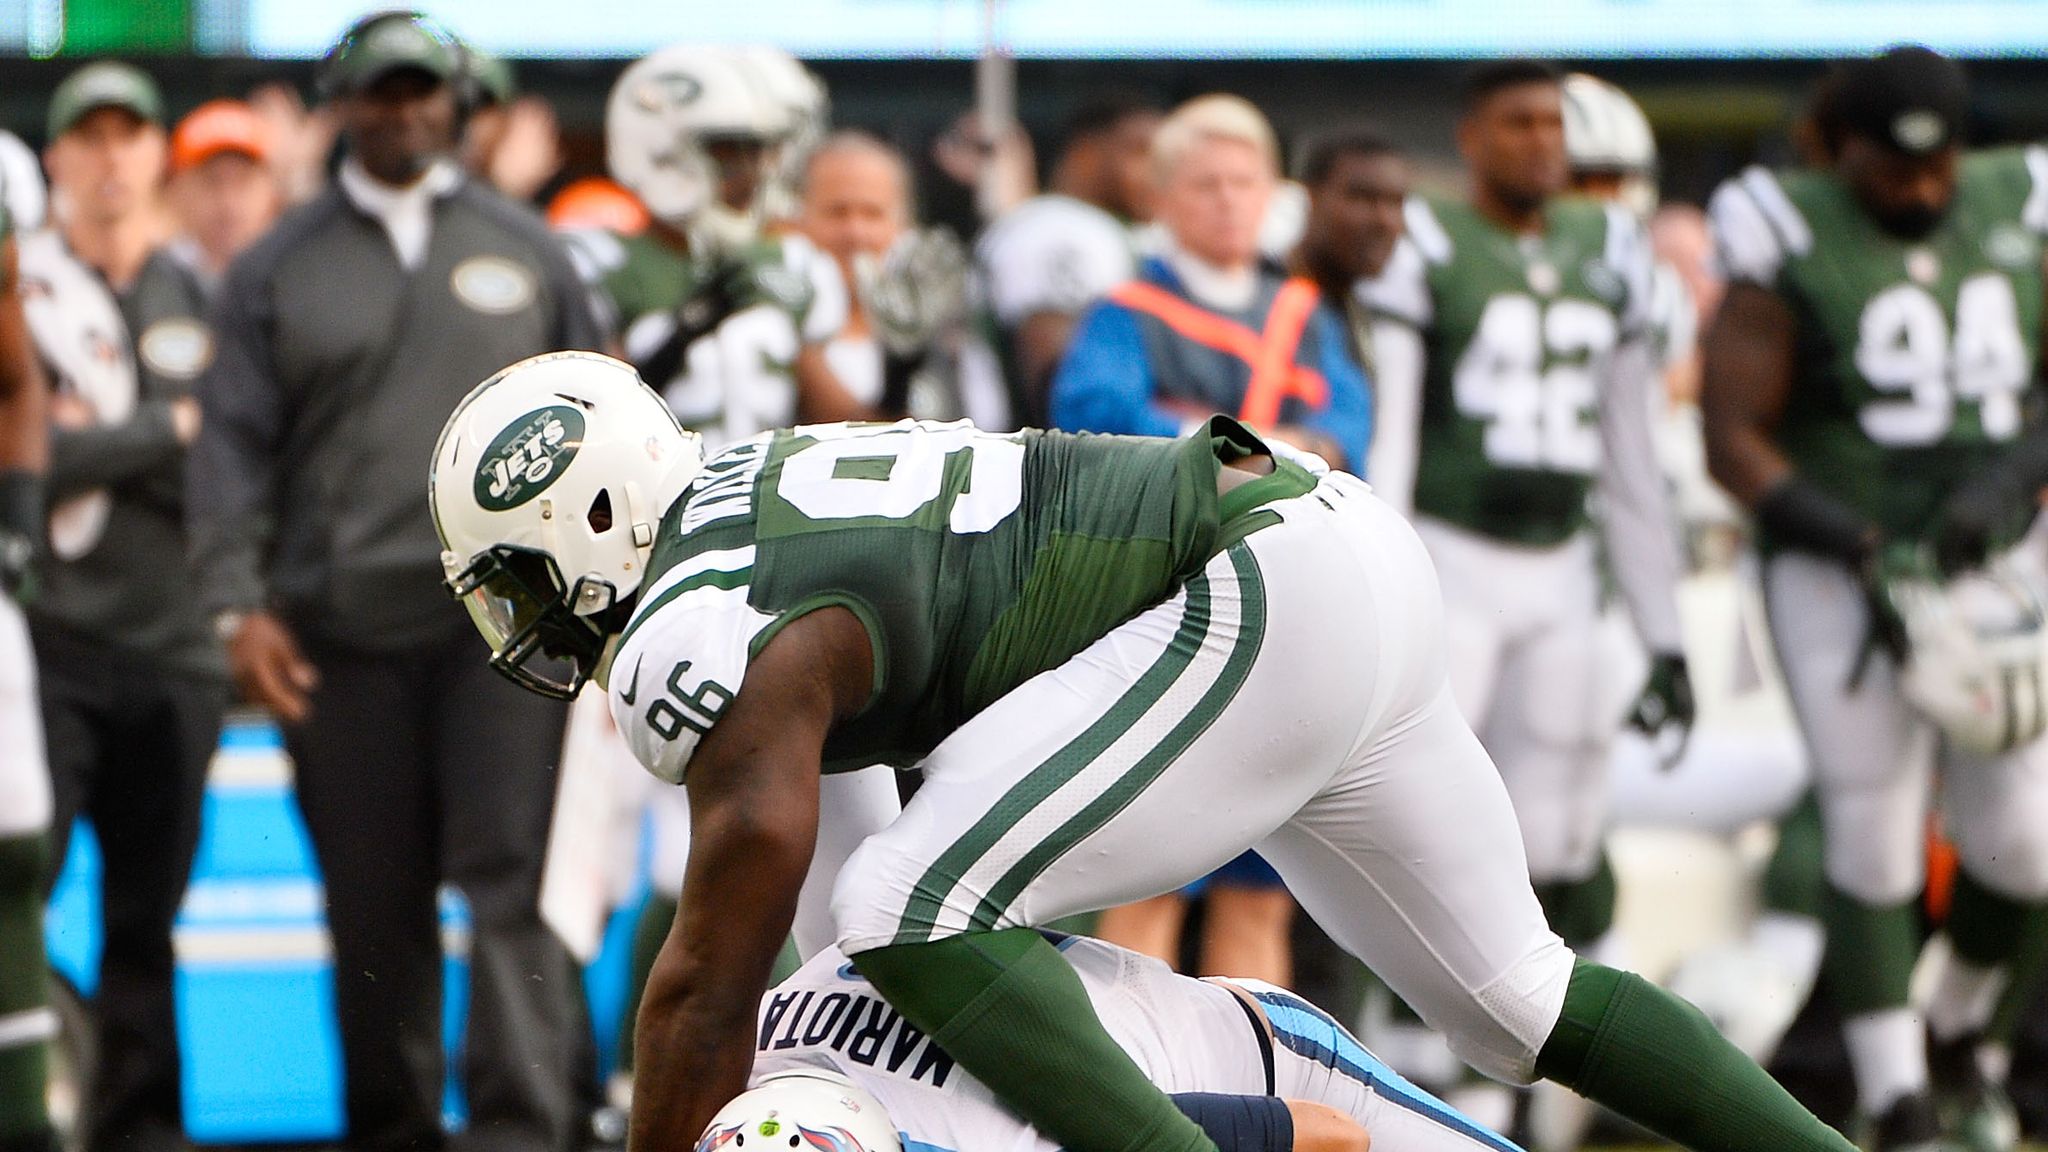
{"x":346,"y":337}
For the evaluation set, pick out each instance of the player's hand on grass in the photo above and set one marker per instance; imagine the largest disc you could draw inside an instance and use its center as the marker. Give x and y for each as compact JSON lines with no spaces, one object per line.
{"x":1666,"y":710}
{"x":269,"y":668}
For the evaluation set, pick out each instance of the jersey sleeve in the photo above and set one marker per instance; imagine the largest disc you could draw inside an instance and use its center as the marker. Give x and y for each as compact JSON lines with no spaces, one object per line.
{"x":1756,"y":229}
{"x":1052,"y":262}
{"x":1401,"y":291}
{"x":1628,"y":256}
{"x":683,"y":658}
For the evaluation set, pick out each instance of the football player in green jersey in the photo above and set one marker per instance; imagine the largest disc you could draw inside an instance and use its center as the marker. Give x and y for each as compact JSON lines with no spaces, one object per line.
{"x":1118,"y":663}
{"x":1521,"y":318}
{"x":26,"y":1019}
{"x":1869,"y":390}
{"x":727,"y":321}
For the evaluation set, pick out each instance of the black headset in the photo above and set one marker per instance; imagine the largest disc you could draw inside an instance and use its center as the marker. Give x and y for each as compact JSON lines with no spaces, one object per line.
{"x":468,"y":86}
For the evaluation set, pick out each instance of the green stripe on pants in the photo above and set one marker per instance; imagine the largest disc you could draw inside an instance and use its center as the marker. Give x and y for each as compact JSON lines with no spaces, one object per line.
{"x":1251,"y":635}
{"x":920,"y":916}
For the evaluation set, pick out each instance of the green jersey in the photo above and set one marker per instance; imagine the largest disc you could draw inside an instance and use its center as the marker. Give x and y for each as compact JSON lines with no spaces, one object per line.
{"x":1914,"y":360}
{"x":975,"y":561}
{"x":1518,"y":334}
{"x":728,"y":387}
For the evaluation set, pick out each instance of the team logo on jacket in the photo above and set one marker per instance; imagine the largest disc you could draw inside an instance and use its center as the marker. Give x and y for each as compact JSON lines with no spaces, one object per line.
{"x":492,"y":285}
{"x":180,"y":349}
{"x":527,"y":457}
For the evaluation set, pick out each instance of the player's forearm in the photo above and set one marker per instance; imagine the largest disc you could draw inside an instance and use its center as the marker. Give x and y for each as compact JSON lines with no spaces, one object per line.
{"x":691,"y":1054}
{"x":103,"y":454}
{"x":694,"y":1041}
{"x":1742,"y":459}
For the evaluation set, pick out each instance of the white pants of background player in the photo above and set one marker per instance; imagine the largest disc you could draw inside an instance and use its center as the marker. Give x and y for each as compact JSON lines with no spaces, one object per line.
{"x":1876,"y":765}
{"x":1291,"y":698}
{"x":1239,"y":1037}
{"x":1545,"y":676}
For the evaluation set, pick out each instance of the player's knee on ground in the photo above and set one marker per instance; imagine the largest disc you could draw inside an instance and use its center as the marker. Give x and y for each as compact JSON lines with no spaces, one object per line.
{"x":1321,"y":1128}
{"x":1501,"y":1027}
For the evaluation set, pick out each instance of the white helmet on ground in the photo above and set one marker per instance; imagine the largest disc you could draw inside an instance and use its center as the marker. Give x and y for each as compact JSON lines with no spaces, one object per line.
{"x":1977,"y":649}
{"x":802,"y":1111}
{"x":663,"y":108}
{"x":1605,"y":132}
{"x":547,"y":485}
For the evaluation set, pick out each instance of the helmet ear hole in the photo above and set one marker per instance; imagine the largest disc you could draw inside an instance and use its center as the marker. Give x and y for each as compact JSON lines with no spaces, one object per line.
{"x":600,"y":514}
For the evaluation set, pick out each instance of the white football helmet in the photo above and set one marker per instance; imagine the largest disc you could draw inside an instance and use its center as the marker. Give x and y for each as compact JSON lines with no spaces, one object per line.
{"x":803,"y":111}
{"x":813,"y":1110}
{"x":664,"y":107}
{"x":1605,"y":131}
{"x":547,"y":485}
{"x":1977,"y":649}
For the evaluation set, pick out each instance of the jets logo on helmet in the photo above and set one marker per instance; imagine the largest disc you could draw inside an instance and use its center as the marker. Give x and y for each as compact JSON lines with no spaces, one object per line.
{"x":547,"y":484}
{"x":520,"y":462}
{"x":808,"y":1111}
{"x":663,"y":109}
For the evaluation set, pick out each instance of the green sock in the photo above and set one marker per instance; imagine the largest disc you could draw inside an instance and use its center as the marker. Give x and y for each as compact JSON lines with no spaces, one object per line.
{"x":1985,"y":928}
{"x":1006,"y":1006}
{"x":1646,"y":1054}
{"x":1994,"y":931}
{"x":1580,"y":911}
{"x":24,"y":990}
{"x":1795,"y":880}
{"x":1870,"y":953}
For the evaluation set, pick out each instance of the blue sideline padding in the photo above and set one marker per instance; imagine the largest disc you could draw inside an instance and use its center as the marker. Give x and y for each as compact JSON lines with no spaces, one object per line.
{"x":255,"y":1005}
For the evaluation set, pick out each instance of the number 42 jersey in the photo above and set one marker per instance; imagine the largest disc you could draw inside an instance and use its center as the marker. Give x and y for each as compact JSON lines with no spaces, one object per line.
{"x":1915,"y":358}
{"x":1519,"y":337}
{"x":974,"y":561}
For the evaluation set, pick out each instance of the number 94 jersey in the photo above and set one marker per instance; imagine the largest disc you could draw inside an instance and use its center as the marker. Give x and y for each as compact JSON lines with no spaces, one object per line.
{"x":1518,"y":338}
{"x":974,"y":560}
{"x":1914,"y":359}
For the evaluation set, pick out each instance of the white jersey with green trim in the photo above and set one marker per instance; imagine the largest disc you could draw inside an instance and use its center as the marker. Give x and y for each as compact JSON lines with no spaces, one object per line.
{"x":1186,"y":1035}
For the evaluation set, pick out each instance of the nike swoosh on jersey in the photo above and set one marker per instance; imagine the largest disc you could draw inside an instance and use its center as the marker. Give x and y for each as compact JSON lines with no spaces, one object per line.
{"x":631,"y":692}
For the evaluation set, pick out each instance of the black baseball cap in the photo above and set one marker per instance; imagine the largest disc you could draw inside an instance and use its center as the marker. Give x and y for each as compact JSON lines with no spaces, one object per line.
{"x":387,"y":42}
{"x":1911,"y":100}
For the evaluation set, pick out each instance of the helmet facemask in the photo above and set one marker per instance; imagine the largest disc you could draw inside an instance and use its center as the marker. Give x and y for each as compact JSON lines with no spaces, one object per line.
{"x":517,"y":599}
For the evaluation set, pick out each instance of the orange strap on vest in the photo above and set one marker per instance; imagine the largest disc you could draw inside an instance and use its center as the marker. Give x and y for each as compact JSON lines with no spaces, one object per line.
{"x":1270,"y":354}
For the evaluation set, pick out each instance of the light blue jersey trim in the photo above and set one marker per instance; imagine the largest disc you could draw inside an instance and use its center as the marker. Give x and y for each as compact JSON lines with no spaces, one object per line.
{"x":910,"y":1145}
{"x":1307,"y":1031}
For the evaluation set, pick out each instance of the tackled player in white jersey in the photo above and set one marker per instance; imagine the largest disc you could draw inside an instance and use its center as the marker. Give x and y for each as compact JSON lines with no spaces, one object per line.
{"x":1252,"y":1063}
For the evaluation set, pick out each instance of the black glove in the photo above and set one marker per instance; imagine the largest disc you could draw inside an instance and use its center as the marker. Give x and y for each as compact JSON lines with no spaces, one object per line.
{"x":1796,"y":513}
{"x":1666,"y":703}
{"x":1884,"y":629}
{"x":727,"y":288}
{"x":21,"y":526}
{"x":1975,"y":518}
{"x":1993,"y":505}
